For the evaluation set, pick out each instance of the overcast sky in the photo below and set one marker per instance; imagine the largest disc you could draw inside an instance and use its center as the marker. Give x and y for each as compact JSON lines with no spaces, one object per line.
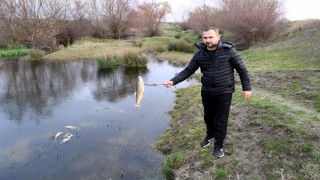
{"x":294,"y":9}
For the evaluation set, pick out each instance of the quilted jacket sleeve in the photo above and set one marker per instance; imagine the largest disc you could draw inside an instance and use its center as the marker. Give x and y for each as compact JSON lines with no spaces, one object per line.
{"x":241,"y":69}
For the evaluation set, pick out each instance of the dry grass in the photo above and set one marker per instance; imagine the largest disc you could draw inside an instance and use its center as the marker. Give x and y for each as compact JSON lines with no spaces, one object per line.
{"x":174,"y":56}
{"x":92,"y":50}
{"x":300,"y":25}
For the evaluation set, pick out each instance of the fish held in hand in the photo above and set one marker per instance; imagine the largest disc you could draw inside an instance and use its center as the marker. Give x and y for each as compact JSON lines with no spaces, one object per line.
{"x":139,"y":91}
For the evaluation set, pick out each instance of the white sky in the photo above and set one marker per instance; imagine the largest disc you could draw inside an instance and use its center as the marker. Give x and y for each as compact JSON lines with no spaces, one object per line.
{"x":294,"y":9}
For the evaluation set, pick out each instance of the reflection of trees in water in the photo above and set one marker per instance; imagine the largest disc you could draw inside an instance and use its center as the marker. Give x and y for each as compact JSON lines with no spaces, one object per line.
{"x":33,"y":90}
{"x":116,"y":84}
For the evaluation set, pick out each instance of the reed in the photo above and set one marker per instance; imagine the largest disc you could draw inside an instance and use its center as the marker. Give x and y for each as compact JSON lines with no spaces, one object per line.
{"x":134,"y":60}
{"x":181,"y":46}
{"x":36,"y":55}
{"x":108,"y":62}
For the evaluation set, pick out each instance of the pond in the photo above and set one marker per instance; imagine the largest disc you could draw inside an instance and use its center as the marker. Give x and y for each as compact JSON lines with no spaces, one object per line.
{"x":115,"y":140}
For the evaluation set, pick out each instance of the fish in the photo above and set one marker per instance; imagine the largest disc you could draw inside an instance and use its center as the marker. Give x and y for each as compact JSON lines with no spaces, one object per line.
{"x":66,"y":138}
{"x":72,"y":127}
{"x":67,"y":135}
{"x":57,"y":135}
{"x":139,"y":91}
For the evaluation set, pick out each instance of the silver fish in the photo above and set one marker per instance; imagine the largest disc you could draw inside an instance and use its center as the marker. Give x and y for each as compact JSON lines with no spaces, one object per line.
{"x":66,"y":138}
{"x":67,"y":135}
{"x":72,"y":127}
{"x":57,"y":135}
{"x":139,"y":91}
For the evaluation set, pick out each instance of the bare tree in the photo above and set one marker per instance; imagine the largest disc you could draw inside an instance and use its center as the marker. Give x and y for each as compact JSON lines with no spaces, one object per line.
{"x":81,"y":25}
{"x":32,"y":22}
{"x":118,"y":17}
{"x":203,"y":17}
{"x":152,"y":14}
{"x":95,"y":8}
{"x":252,"y":20}
{"x":184,"y":21}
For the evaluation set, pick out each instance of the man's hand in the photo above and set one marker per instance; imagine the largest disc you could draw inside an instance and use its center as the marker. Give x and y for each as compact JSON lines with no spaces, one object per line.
{"x":246,"y":95}
{"x":168,"y":84}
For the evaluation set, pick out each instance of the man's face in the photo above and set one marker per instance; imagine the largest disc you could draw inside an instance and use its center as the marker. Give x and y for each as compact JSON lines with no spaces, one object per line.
{"x":210,"y":39}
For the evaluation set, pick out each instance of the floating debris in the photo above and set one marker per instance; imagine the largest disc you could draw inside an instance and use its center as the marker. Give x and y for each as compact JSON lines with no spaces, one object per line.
{"x":72,"y":127}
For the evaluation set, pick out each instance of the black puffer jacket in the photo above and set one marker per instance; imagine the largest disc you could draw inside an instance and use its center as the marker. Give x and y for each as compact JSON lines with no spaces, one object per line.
{"x":218,"y":71}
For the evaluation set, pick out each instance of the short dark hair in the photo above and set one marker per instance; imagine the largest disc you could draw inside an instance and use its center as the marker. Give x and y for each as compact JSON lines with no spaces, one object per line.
{"x":215,"y":29}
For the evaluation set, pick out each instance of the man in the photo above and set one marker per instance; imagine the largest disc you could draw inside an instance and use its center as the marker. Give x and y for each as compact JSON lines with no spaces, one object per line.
{"x":217,"y":61}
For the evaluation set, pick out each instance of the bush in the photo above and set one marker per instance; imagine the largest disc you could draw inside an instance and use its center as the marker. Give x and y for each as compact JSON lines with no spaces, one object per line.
{"x":135,"y":60}
{"x":108,"y":62}
{"x":137,"y":43}
{"x":181,"y":46}
{"x":15,"y":46}
{"x":36,"y":54}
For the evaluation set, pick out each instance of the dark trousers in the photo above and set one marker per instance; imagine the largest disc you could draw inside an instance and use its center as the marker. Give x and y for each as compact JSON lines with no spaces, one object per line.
{"x":216,"y":114}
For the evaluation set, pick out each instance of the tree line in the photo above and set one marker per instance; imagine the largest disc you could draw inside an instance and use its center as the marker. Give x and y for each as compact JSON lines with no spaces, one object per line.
{"x":249,"y":21}
{"x":46,"y":24}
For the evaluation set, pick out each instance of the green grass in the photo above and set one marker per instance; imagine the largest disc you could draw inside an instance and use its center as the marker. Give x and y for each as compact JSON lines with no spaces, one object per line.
{"x":134,"y":60}
{"x":262,"y":60}
{"x":172,"y":162}
{"x":13,"y":52}
{"x":108,"y":62}
{"x":277,"y":140}
{"x":181,"y":46}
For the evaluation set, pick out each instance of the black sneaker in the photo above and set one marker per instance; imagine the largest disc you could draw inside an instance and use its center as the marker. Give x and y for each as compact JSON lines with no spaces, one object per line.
{"x":206,"y":142}
{"x":218,"y":152}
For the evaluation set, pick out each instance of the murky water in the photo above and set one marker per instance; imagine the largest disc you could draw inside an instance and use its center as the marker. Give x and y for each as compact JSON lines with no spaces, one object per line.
{"x":115,"y":141}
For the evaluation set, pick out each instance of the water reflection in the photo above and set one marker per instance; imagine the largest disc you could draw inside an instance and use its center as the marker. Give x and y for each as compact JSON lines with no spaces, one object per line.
{"x":115,"y":140}
{"x":42,"y":86}
{"x":116,"y":84}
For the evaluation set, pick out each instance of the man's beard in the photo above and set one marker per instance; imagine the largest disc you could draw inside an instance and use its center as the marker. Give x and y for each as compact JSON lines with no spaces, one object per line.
{"x":211,"y":45}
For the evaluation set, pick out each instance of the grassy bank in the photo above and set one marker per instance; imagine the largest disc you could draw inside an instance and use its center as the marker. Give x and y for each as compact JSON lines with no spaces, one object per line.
{"x":89,"y":48}
{"x":275,"y":135}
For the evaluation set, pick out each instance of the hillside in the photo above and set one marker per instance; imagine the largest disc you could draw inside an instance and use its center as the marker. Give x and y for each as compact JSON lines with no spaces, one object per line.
{"x":275,"y":135}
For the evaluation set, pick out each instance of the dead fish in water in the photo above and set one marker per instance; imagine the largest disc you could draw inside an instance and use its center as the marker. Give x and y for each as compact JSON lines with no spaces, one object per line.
{"x":139,"y":91}
{"x":57,"y":135}
{"x":72,"y":127}
{"x":67,"y":135}
{"x":66,"y":138}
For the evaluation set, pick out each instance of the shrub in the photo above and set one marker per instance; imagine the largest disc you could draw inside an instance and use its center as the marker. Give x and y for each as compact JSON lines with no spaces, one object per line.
{"x":177,"y":36}
{"x":181,"y":45}
{"x":36,"y":54}
{"x":15,"y":46}
{"x":108,"y":62}
{"x":135,"y":60}
{"x":137,"y":43}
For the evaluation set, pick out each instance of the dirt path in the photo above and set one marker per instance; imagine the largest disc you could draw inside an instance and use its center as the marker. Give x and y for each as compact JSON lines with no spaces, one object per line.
{"x":289,"y":103}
